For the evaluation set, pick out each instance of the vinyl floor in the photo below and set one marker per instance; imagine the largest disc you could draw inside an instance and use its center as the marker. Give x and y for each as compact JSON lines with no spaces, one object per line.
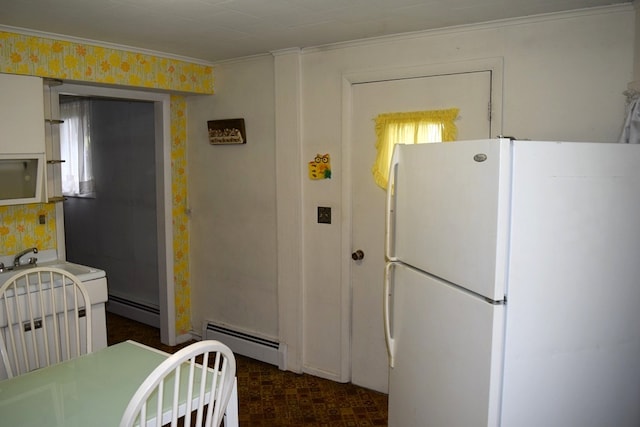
{"x":271,"y":397}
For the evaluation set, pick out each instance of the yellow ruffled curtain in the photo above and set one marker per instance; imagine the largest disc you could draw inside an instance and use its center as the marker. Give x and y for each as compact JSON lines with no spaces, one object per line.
{"x":415,"y":127}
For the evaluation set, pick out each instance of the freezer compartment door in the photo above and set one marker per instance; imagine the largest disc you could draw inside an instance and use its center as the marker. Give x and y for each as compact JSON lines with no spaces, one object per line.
{"x":448,"y":209}
{"x":447,"y":351}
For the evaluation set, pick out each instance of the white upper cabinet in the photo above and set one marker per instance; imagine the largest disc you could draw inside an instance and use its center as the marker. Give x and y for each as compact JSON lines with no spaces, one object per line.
{"x":22,"y":140}
{"x":21,"y":115}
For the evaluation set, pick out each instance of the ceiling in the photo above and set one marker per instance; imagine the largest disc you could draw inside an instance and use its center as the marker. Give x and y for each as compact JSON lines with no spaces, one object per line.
{"x":215,"y":30}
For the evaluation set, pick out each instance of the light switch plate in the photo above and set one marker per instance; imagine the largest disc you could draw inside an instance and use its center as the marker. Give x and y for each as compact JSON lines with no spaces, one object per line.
{"x":324,"y":215}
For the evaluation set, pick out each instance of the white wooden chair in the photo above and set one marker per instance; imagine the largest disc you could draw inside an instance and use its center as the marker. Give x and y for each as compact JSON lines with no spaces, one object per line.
{"x":41,"y":324}
{"x":175,"y":381}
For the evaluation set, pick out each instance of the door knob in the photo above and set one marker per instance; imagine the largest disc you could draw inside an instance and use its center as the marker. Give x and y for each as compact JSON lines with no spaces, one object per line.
{"x":357,"y":255}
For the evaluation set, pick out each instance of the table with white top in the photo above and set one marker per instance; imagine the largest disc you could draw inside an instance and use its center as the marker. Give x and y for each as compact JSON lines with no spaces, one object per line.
{"x":91,"y":390}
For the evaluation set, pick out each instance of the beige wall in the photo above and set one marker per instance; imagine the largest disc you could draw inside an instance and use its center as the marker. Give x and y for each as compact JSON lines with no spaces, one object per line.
{"x":564,"y":75}
{"x":232,"y":202}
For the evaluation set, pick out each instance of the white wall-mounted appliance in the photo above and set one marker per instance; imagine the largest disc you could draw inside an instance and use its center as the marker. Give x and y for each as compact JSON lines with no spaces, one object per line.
{"x":513,"y":284}
{"x":22,"y":140}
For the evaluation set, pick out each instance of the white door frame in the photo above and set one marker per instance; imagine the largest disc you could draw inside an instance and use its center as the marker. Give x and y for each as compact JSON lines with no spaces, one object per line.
{"x":495,"y":65}
{"x":162,"y":120}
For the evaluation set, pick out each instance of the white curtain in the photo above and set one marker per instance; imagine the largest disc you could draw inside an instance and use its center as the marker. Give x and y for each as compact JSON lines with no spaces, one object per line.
{"x":75,"y":148}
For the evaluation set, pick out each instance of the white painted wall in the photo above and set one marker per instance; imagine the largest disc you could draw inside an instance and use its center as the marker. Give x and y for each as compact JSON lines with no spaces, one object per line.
{"x":232,"y":200}
{"x":564,"y":75}
{"x":563,"y":79}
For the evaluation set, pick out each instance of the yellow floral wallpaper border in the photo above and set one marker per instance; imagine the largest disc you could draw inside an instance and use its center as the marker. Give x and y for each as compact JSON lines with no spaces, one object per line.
{"x":23,"y":54}
{"x":179,"y":214}
{"x":30,"y":55}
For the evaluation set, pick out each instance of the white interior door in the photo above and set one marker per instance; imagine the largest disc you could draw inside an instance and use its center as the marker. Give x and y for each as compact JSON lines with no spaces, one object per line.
{"x":471,"y":93}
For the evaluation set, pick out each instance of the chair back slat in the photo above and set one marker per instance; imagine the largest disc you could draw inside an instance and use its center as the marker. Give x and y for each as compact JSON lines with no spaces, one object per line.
{"x":158,"y":402}
{"x":45,"y":328}
{"x":54,"y":330}
{"x":192,"y":366}
{"x":203,"y":382}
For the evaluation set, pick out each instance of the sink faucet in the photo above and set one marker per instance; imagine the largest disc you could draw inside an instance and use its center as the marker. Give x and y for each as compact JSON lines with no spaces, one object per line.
{"x":32,"y":260}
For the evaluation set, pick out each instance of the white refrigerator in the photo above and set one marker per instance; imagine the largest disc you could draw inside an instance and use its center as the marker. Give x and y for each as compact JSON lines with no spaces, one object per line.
{"x":512,"y":288}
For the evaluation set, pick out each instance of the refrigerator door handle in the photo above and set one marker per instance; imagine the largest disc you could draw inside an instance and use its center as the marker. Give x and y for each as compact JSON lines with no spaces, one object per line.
{"x":388,"y":312}
{"x":389,"y":235}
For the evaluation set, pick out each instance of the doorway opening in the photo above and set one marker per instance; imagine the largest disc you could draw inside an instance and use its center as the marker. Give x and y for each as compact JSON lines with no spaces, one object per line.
{"x":137,"y":243}
{"x":113,"y":226}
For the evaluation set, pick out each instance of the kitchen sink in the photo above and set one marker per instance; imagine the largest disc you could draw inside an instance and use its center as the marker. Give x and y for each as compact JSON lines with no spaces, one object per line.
{"x":83,"y":272}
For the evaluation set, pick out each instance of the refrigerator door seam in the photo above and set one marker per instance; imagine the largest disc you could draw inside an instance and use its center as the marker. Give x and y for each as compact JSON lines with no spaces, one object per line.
{"x":462,"y":288}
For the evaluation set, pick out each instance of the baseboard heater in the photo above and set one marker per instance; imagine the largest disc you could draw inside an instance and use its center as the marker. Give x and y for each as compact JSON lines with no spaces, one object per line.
{"x":258,"y":348}
{"x":143,"y":313}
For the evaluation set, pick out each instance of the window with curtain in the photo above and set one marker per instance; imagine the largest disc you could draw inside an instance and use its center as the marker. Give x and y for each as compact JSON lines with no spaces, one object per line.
{"x":417,"y":127}
{"x":75,"y":148}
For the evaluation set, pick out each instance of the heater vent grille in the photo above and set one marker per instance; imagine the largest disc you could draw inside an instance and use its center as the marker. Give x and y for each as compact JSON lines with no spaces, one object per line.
{"x":245,"y":344}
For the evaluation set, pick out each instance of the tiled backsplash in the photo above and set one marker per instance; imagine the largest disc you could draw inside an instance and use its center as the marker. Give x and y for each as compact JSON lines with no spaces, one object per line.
{"x":20,"y":228}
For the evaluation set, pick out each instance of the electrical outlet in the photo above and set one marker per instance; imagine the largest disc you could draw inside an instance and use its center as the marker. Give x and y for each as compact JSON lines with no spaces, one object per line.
{"x":37,"y":324}
{"x":324,"y":215}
